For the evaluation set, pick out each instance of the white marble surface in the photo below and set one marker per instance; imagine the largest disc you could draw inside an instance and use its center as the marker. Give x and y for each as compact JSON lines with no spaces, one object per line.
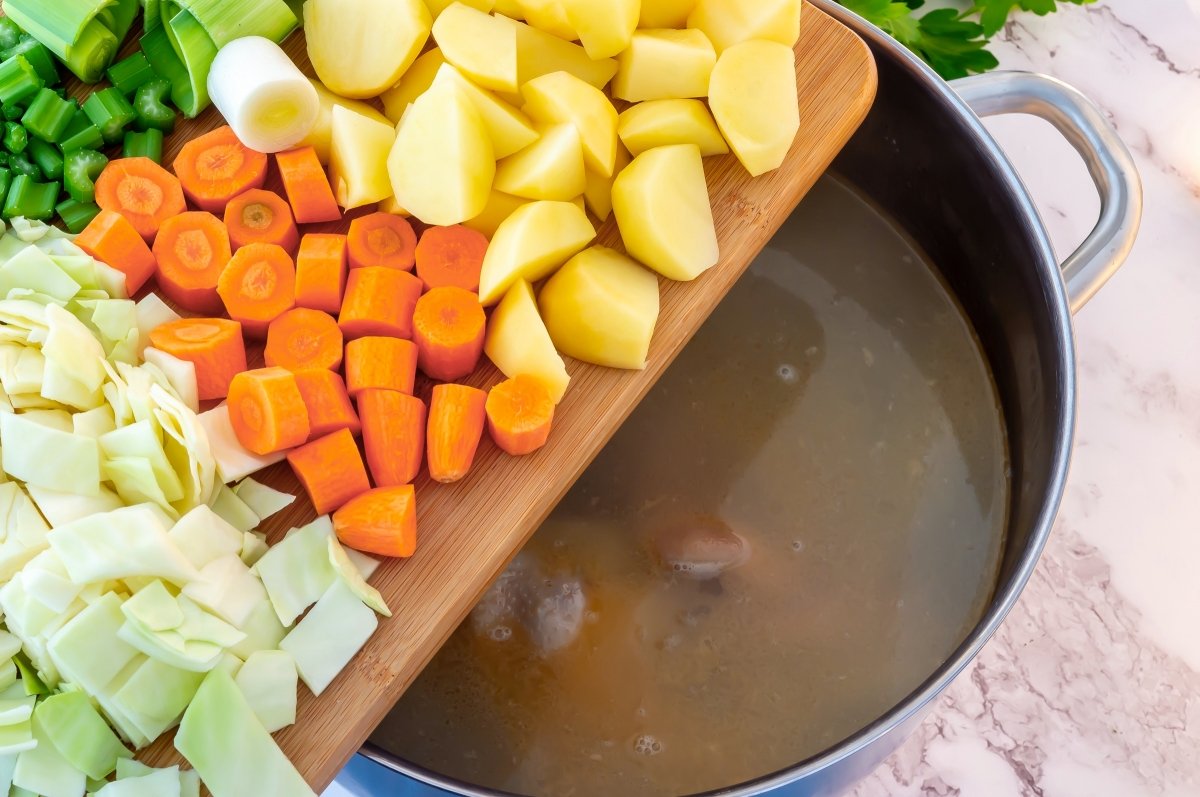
{"x":1092,"y":686}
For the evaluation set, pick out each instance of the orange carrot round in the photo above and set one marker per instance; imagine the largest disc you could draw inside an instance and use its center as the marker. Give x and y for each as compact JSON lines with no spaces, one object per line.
{"x":321,"y":271}
{"x":379,"y":301}
{"x":328,"y":403}
{"x":393,"y":430}
{"x":213,"y":345}
{"x":519,"y":413}
{"x":258,"y":286}
{"x":377,"y":362}
{"x":261,"y":217}
{"x":307,"y":187}
{"x":382,"y":521}
{"x":267,"y":411}
{"x":381,"y":239}
{"x":192,"y":249}
{"x":451,"y":257}
{"x":216,"y":167}
{"x":141,"y":191}
{"x":453,"y":431}
{"x":448,"y":327}
{"x":112,"y":240}
{"x":301,"y":339}
{"x":331,"y":470}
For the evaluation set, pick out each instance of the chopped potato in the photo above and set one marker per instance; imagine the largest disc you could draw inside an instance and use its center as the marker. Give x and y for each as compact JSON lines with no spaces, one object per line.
{"x":358,"y":155}
{"x":548,"y":15}
{"x":498,"y":208}
{"x":413,"y":84}
{"x":539,"y":53}
{"x":728,"y":22}
{"x":753,"y":99}
{"x":598,"y":193}
{"x":362,"y":53}
{"x":530,"y":244}
{"x":509,"y":8}
{"x":665,"y":13}
{"x":664,"y":65}
{"x":319,"y":137}
{"x":550,"y":168}
{"x":436,"y":7}
{"x":561,"y":97}
{"x":604,"y":27}
{"x":659,"y":123}
{"x":510,"y":130}
{"x":518,"y":343}
{"x":483,"y":47}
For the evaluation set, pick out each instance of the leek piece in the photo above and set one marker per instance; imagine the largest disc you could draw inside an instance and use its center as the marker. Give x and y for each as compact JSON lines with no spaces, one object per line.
{"x":72,"y":345}
{"x":47,"y":158}
{"x":268,"y":682}
{"x":263,"y":501}
{"x":156,"y":695}
{"x":16,"y":139}
{"x":262,"y":629}
{"x":254,"y":545}
{"x":225,"y":21}
{"x":233,"y":461}
{"x":33,"y":268}
{"x":180,"y":373}
{"x":74,"y":465}
{"x":41,"y":59}
{"x":234,"y":510}
{"x":231,"y":751}
{"x":142,"y":440}
{"x":130,"y":73}
{"x":16,"y":738}
{"x":74,"y":647}
{"x":203,"y":536}
{"x":76,"y":215}
{"x":84,"y":34}
{"x":18,"y":80}
{"x":296,"y":571}
{"x":27,"y":197}
{"x":44,"y":771}
{"x":266,"y":99}
{"x":353,"y":578}
{"x":143,"y":144}
{"x":81,"y":134}
{"x":228,"y":589}
{"x":157,"y":47}
{"x":48,"y":117}
{"x":79,"y":734}
{"x":159,"y":783}
{"x":110,"y":112}
{"x":196,"y":51}
{"x":329,"y":636}
{"x":131,"y":541}
{"x":152,"y":112}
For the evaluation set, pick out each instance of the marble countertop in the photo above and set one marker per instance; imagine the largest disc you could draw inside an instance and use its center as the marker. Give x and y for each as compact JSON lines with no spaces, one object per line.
{"x":1092,"y":686}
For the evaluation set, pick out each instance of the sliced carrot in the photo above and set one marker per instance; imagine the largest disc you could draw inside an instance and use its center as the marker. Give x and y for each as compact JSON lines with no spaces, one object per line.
{"x":381,"y":239}
{"x":267,"y":411}
{"x":301,"y":339}
{"x":328,"y":403}
{"x":213,"y":345}
{"x":448,"y":327}
{"x":307,"y":187}
{"x":331,"y":470}
{"x":456,"y":418}
{"x":258,"y":286}
{"x":379,"y":301}
{"x":393,"y":430}
{"x":261,"y":217}
{"x":141,"y":191}
{"x":377,"y":362}
{"x":519,"y":413}
{"x":382,"y":521}
{"x":451,"y":256}
{"x":321,"y":271}
{"x":216,"y":167}
{"x":192,"y":250}
{"x":112,"y":240}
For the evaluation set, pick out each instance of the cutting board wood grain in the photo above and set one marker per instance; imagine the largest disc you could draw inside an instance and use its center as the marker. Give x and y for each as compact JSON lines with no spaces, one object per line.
{"x":469,"y":531}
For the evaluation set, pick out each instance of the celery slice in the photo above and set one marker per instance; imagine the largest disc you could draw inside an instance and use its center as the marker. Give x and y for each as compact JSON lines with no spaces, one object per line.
{"x":79,"y":734}
{"x":60,"y":508}
{"x":42,"y":770}
{"x":353,"y":578}
{"x":268,"y":682}
{"x":73,"y":463}
{"x":329,"y":636}
{"x":180,"y":373}
{"x":131,"y":541}
{"x":233,"y":461}
{"x":234,"y":755}
{"x":203,"y":536}
{"x":296,"y":571}
{"x":233,"y":509}
{"x":228,"y":589}
{"x":263,"y":501}
{"x":159,"y":783}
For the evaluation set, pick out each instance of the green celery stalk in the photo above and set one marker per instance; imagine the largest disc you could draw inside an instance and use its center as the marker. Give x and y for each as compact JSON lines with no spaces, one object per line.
{"x":31,"y":199}
{"x":48,"y":116}
{"x":10,"y":33}
{"x":16,"y":138}
{"x":80,"y":171}
{"x":12,"y":112}
{"x":143,"y":144}
{"x":6,"y":179}
{"x":151,"y":18}
{"x":18,"y":80}
{"x":47,"y":157}
{"x":76,"y":215}
{"x":38,"y":56}
{"x":152,"y":112}
{"x":81,"y":134}
{"x":19,"y":164}
{"x":129,"y":74}
{"x":110,"y":112}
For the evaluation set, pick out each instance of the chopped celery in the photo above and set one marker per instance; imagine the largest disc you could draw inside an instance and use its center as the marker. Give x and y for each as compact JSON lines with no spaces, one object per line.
{"x":18,"y":80}
{"x":233,"y":460}
{"x":10,"y":34}
{"x":76,"y":215}
{"x":333,"y":631}
{"x":268,"y":682}
{"x":29,"y":198}
{"x":110,"y":112}
{"x":80,"y":170}
{"x":38,"y":56}
{"x":48,"y":116}
{"x":75,"y":468}
{"x":21,"y":165}
{"x":44,"y":771}
{"x":234,"y":510}
{"x":81,"y":134}
{"x":131,"y":541}
{"x":296,"y":571}
{"x":143,"y":144}
{"x":152,"y":112}
{"x":263,"y":501}
{"x":204,"y":537}
{"x":47,"y":157}
{"x":353,"y":578}
{"x":79,"y":734}
{"x":16,"y":138}
{"x":5,"y":181}
{"x":33,"y":268}
{"x":130,"y":73}
{"x":159,"y":783}
{"x":228,"y":589}
{"x":229,"y":748}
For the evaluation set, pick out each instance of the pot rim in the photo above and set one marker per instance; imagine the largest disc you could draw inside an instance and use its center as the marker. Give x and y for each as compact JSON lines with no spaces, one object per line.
{"x":1008,"y":592}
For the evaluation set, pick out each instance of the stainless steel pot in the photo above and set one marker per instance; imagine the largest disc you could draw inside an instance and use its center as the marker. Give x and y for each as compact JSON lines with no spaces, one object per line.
{"x":924,"y":156}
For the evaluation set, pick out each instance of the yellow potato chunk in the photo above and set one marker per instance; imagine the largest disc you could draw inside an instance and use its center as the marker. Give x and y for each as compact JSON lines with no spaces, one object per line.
{"x":539,"y":53}
{"x":598,"y":192}
{"x":548,"y":15}
{"x":321,"y":134}
{"x":601,"y":307}
{"x":358,"y":156}
{"x":498,"y":208}
{"x":413,"y":84}
{"x":753,"y":99}
{"x":483,"y":47}
{"x":362,"y":53}
{"x":518,"y":343}
{"x":390,"y":205}
{"x":665,"y":13}
{"x":530,"y":244}
{"x":660,"y":123}
{"x":728,"y":22}
{"x":436,"y":7}
{"x":549,"y":168}
{"x":509,"y":8}
{"x":664,"y":65}
{"x":510,"y":130}
{"x":663,"y":212}
{"x":604,"y":27}
{"x":441,"y":166}
{"x":561,"y":97}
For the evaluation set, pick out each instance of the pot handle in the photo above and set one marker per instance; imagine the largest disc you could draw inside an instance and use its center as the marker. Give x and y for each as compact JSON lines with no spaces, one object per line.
{"x":1108,"y":161}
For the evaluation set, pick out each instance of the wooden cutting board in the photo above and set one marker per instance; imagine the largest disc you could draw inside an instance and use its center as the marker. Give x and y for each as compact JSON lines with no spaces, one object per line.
{"x":470,"y":530}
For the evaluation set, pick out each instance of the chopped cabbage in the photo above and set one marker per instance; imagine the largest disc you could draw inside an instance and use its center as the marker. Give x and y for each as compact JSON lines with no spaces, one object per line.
{"x":233,"y":509}
{"x":21,"y":369}
{"x":353,"y":578}
{"x":73,"y":346}
{"x":367,"y":565}
{"x":79,"y":734}
{"x":228,"y":589}
{"x":159,"y":783}
{"x":43,"y":771}
{"x":329,"y":636}
{"x":233,"y":461}
{"x":46,"y":581}
{"x":60,"y":386}
{"x":95,"y":422}
{"x":7,"y":764}
{"x":254,"y":545}
{"x":143,"y":440}
{"x":152,"y":312}
{"x":155,"y":696}
{"x":32,"y":269}
{"x":262,"y":629}
{"x":55,"y":419}
{"x":23,"y":529}
{"x":180,"y":373}
{"x":73,"y":649}
{"x":17,"y":709}
{"x":75,"y":466}
{"x":203,"y":536}
{"x":16,"y":738}
{"x":131,"y":541}
{"x":175,"y":630}
{"x":296,"y":571}
{"x":268,"y":682}
{"x":191,"y":453}
{"x":263,"y":501}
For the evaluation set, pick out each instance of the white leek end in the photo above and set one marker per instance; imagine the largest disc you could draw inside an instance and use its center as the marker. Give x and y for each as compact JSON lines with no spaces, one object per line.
{"x":266,"y":99}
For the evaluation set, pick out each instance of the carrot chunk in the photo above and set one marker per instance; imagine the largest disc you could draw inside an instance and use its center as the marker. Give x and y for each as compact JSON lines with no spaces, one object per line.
{"x":258,"y":286}
{"x":112,"y":240}
{"x":452,"y":434}
{"x":261,"y":217}
{"x":141,"y":191}
{"x":192,"y":250}
{"x":393,"y":430}
{"x":519,"y":413}
{"x":381,"y":239}
{"x":267,"y":411}
{"x":379,"y":301}
{"x":377,"y":362}
{"x":451,"y":257}
{"x":307,"y":187}
{"x":216,"y":167}
{"x":301,"y":339}
{"x":382,"y":521}
{"x":331,"y":470}
{"x":448,"y":328}
{"x":213,"y":345}
{"x":321,"y":272}
{"x":328,"y":403}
